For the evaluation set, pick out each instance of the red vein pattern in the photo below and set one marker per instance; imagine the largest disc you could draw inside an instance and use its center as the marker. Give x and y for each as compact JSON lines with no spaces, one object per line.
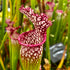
{"x":32,"y":41}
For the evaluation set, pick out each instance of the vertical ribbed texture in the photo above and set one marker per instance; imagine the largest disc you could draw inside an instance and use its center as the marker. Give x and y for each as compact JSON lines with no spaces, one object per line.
{"x":14,"y":47}
{"x":48,"y":45}
{"x":3,"y":18}
{"x":19,"y":18}
{"x":68,"y":46}
{"x":15,"y":53}
{"x":31,"y":57}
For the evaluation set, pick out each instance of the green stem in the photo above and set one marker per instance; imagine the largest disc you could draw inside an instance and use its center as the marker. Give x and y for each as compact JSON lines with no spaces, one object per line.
{"x":7,"y":8}
{"x":10,"y":9}
{"x":3,"y":18}
{"x":63,"y":28}
{"x":13,"y":7}
{"x":60,"y":4}
{"x":2,"y":64}
{"x":21,"y":62}
{"x":57,"y":29}
{"x":14,"y":50}
{"x":53,"y":27}
{"x":33,"y":2}
{"x":4,"y":38}
{"x":10,"y":52}
{"x":68,"y":47}
{"x":15,"y":54}
{"x":20,"y":16}
{"x":47,"y":46}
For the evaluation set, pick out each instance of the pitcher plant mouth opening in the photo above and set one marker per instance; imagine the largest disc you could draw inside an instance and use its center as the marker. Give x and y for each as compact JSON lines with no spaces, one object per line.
{"x":22,"y":39}
{"x":37,"y":36}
